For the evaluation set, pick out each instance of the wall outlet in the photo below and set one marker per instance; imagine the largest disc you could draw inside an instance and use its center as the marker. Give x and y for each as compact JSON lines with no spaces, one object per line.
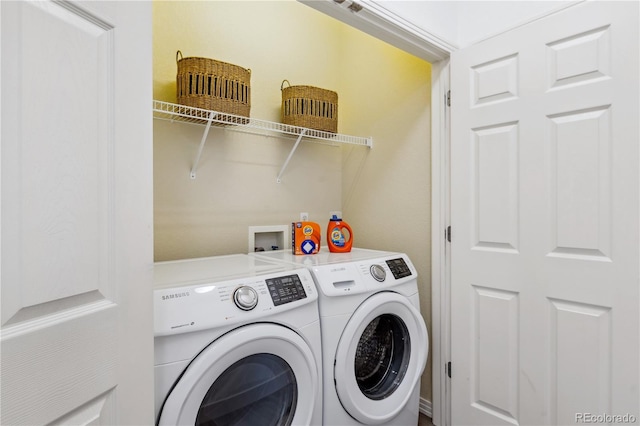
{"x":304,"y":217}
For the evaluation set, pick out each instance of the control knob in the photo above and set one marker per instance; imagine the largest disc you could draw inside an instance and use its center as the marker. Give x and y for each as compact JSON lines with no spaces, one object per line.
{"x":245,"y":298}
{"x":378,"y":272}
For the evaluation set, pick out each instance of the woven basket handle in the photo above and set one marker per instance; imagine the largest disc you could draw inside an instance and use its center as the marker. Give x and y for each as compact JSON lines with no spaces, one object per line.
{"x":178,"y":53}
{"x":282,"y":85}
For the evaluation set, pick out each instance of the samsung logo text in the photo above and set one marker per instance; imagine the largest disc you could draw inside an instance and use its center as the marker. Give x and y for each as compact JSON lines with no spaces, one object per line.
{"x":176,"y":295}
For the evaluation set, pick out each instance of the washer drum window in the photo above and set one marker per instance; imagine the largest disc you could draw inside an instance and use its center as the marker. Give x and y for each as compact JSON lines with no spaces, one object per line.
{"x":260,"y":374}
{"x":260,"y":389}
{"x":382,"y":356}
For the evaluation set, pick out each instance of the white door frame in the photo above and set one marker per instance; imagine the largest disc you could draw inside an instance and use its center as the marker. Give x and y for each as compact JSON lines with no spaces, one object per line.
{"x":440,"y":250}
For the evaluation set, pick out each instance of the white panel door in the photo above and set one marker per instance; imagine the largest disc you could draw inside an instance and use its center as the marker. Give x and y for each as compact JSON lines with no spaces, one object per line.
{"x":76,"y":257}
{"x":545,"y":218}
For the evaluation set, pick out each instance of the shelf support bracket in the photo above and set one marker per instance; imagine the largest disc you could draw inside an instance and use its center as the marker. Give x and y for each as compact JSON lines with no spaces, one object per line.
{"x":286,"y":162}
{"x":212,"y":115}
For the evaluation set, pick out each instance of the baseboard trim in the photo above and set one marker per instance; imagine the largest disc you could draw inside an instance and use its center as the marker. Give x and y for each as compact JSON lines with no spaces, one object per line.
{"x":426,"y":407}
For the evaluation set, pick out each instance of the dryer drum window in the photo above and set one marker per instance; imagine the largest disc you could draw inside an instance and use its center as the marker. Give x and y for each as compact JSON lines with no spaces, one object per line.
{"x":382,"y":356}
{"x":260,"y":389}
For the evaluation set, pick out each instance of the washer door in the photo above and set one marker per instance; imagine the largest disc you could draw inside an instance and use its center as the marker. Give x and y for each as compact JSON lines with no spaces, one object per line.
{"x":380,"y":357}
{"x":259,"y":374}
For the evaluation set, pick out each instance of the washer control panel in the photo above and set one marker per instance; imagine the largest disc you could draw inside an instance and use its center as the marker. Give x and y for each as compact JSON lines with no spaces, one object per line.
{"x":285,"y":289}
{"x":208,"y":304}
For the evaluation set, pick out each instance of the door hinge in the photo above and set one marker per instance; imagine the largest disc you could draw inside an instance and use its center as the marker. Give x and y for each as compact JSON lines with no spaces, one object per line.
{"x":447,"y":233}
{"x":448,"y":98}
{"x":448,"y":368}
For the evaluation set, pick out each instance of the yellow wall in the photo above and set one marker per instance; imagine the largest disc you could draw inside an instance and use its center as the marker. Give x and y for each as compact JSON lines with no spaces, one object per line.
{"x":384,"y":192}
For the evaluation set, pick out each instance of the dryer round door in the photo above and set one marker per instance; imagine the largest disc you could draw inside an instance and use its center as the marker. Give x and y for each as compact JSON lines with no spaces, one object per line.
{"x":380,"y":357}
{"x":258,"y":374}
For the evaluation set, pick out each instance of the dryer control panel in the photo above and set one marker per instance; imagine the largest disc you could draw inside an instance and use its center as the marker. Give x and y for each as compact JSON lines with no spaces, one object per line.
{"x":342,"y":279}
{"x":399,"y":268}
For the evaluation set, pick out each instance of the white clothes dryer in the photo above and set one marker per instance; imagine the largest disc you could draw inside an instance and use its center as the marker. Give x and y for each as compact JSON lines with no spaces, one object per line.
{"x":374,"y":339}
{"x":237,"y":342}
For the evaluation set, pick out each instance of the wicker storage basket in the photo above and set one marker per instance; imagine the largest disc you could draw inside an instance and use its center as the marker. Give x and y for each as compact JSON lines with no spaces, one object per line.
{"x":311,"y":107}
{"x":213,"y":85}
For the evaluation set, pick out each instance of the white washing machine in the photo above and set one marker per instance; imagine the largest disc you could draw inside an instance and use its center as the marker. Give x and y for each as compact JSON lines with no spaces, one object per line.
{"x":237,"y":342}
{"x":374,"y":339}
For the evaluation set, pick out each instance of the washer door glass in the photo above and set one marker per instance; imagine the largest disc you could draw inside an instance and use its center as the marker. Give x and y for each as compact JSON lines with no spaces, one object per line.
{"x":259,"y":374}
{"x":260,"y":389}
{"x":382,"y":356}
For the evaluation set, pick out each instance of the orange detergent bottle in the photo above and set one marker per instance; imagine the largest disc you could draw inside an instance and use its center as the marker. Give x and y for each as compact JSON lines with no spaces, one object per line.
{"x":339,"y":235}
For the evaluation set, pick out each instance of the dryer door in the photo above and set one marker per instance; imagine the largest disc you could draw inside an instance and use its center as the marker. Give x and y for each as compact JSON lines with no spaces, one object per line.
{"x":261,"y":374}
{"x":380,"y":358}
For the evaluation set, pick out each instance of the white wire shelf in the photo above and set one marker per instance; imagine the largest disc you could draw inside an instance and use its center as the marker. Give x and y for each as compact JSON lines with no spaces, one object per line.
{"x":175,"y":112}
{"x":185,"y":114}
